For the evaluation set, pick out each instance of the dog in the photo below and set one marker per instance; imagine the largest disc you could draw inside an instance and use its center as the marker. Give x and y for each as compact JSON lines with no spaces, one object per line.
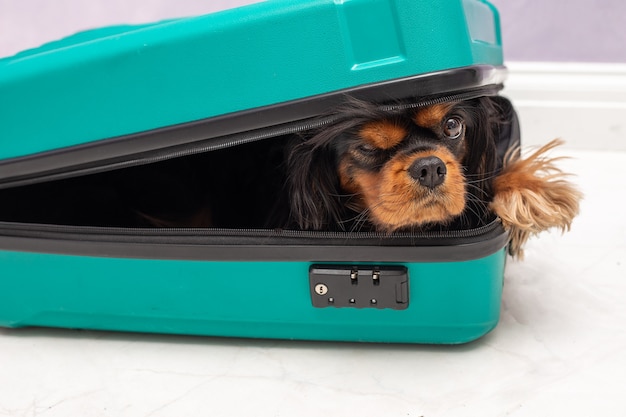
{"x":369,"y":167}
{"x":410,"y":168}
{"x":384,"y":168}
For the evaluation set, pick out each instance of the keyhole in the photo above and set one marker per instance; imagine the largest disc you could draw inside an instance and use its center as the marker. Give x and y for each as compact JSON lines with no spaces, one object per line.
{"x":321,"y":289}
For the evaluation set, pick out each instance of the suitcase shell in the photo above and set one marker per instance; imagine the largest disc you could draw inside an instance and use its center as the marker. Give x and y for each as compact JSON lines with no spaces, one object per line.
{"x":121,"y":96}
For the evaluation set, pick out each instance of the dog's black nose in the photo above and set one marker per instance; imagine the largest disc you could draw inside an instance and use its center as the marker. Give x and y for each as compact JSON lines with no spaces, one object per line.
{"x":429,"y":171}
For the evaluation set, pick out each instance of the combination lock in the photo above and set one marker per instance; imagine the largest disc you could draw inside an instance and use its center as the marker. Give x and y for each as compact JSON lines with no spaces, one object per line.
{"x":359,"y":286}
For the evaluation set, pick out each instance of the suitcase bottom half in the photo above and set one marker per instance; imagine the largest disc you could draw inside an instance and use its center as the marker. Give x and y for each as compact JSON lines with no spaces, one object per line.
{"x":421,"y":302}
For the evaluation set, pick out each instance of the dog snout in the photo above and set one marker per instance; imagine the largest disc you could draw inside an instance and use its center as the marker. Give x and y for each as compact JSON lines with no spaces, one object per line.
{"x":430,"y":171}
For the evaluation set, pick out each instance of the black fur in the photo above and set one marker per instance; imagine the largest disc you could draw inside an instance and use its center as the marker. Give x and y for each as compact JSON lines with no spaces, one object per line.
{"x":318,"y":203}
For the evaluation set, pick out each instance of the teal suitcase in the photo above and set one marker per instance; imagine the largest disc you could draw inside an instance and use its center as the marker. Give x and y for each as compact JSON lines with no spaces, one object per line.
{"x":115,"y":101}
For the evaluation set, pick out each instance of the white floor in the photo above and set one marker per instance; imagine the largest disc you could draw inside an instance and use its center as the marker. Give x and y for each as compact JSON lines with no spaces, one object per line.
{"x":559,"y":350}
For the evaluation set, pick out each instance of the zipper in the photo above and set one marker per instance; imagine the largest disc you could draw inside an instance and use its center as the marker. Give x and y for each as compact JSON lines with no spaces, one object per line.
{"x":295,"y":127}
{"x":184,"y":236}
{"x":232,"y":140}
{"x":269,"y":236}
{"x":253,"y":245}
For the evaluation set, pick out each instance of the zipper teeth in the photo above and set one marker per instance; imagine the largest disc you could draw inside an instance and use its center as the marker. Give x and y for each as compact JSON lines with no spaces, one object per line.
{"x":466,"y":95}
{"x":95,"y":231}
{"x":267,"y":133}
{"x":237,"y":139}
{"x":296,"y":127}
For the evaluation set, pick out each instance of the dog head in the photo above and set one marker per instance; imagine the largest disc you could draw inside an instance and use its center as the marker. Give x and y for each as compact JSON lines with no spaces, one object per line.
{"x":397,"y":170}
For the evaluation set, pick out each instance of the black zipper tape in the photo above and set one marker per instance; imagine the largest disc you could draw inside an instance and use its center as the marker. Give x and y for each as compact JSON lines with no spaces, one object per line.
{"x":254,"y":245}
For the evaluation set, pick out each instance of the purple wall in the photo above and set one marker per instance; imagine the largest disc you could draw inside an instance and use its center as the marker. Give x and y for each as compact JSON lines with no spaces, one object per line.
{"x":563,"y":30}
{"x":30,"y":23}
{"x":533,"y":30}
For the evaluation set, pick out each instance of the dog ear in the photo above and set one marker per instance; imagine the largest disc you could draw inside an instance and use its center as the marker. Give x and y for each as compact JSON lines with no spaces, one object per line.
{"x":491,"y":127}
{"x":529,"y":194}
{"x":505,"y":128}
{"x":313,"y":186}
{"x":532,"y":195}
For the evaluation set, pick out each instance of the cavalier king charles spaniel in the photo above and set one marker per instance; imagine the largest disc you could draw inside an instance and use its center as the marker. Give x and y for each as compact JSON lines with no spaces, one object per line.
{"x":386,"y":168}
{"x":405,"y":168}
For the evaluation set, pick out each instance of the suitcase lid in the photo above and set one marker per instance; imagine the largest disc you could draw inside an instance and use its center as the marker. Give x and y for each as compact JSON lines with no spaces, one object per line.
{"x":119,"y":81}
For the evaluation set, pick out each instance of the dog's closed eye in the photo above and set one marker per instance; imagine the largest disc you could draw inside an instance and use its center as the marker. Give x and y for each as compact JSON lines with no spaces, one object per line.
{"x":367,"y":150}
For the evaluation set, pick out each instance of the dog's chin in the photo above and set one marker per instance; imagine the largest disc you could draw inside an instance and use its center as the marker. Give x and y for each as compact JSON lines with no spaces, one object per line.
{"x":417,"y":214}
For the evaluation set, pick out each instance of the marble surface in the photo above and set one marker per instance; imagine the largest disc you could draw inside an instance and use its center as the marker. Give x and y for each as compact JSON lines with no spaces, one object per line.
{"x":559,"y":350}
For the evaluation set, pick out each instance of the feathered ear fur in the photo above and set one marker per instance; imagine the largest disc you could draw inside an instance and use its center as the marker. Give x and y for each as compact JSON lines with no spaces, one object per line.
{"x":313,"y":186}
{"x":482,"y":131}
{"x":531,"y":195}
{"x":491,"y":129}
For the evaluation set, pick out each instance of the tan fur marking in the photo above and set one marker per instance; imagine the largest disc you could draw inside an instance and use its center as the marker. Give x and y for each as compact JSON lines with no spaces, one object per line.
{"x":344,"y":177}
{"x":531,"y":195}
{"x":432,"y":116}
{"x":394,"y":200}
{"x":383,"y":134}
